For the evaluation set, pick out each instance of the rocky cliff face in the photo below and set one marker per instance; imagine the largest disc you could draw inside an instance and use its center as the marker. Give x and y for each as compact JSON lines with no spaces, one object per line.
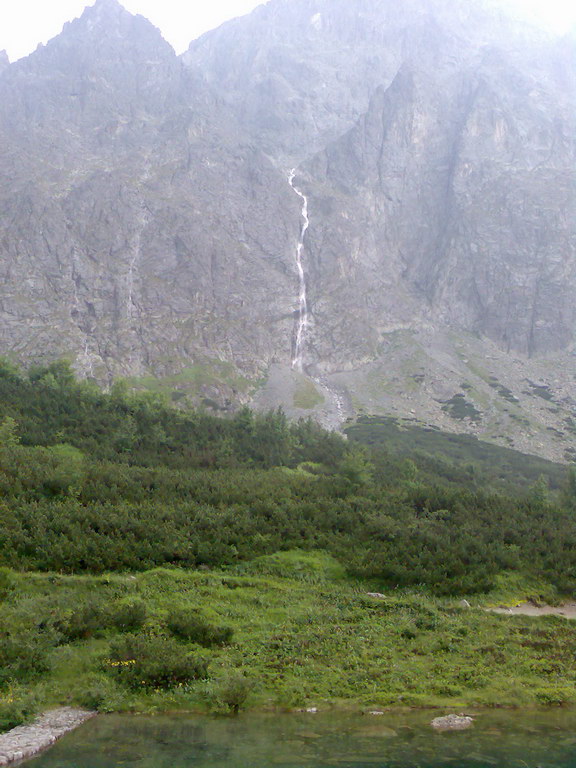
{"x":450,"y":206}
{"x":440,"y":256}
{"x":148,"y":227}
{"x":299,"y":74}
{"x":140,"y":232}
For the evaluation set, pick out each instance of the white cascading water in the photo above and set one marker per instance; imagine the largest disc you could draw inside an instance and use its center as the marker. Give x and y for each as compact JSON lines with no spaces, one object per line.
{"x":336,"y":411}
{"x":302,"y":327}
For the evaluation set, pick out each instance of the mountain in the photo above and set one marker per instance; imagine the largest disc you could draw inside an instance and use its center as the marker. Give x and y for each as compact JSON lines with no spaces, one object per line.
{"x":140,"y":230}
{"x":300,"y":73}
{"x":420,"y":262}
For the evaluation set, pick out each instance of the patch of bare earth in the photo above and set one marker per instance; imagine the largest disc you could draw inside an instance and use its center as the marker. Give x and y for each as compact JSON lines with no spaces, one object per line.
{"x":568,"y":610}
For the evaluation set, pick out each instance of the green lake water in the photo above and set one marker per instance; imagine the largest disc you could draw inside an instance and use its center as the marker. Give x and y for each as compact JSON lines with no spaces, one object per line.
{"x":501,"y":740}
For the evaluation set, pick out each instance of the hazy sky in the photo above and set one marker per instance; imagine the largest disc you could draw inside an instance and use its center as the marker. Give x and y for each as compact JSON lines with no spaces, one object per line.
{"x":25,"y":23}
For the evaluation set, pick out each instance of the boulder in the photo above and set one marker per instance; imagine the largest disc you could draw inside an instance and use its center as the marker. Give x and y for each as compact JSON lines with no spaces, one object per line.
{"x":452,"y":722}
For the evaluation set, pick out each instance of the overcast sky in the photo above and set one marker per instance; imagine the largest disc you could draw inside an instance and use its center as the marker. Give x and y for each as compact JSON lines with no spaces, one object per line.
{"x":25,"y":23}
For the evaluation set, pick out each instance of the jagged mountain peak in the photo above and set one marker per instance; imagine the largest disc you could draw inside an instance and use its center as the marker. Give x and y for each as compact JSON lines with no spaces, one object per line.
{"x":112,"y":16}
{"x":105,"y":31}
{"x":108,"y":5}
{"x":106,"y":68}
{"x":4,"y":60}
{"x":106,"y":14}
{"x":108,"y":42}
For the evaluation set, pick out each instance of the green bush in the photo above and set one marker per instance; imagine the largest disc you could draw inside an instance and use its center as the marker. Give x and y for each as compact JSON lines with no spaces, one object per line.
{"x":554,"y":696}
{"x":95,"y":694}
{"x":409,"y":632}
{"x":128,"y":616}
{"x":16,"y":708}
{"x":23,"y":655}
{"x":86,"y":621}
{"x":230,"y":692}
{"x":6,"y":583}
{"x":312,"y":567}
{"x":153,"y":662}
{"x":188,"y":624}
{"x":85,"y":476}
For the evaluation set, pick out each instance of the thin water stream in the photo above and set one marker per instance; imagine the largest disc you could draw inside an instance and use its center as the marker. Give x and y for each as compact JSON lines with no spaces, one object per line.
{"x":302,"y":322}
{"x":497,"y":740}
{"x":336,"y":409}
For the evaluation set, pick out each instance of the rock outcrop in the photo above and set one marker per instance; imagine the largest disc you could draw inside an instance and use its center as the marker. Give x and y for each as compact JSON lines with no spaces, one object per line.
{"x":452,"y":723}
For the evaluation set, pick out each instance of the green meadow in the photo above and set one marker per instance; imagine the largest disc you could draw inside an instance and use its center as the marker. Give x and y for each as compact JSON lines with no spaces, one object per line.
{"x":155,"y":559}
{"x":285,"y":632}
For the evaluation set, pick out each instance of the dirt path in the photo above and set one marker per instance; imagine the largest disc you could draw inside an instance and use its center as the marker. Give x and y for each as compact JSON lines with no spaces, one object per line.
{"x":28,"y":740}
{"x":568,"y":610}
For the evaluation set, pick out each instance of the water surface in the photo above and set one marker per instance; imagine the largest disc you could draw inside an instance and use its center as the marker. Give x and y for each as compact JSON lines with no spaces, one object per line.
{"x":497,"y":740}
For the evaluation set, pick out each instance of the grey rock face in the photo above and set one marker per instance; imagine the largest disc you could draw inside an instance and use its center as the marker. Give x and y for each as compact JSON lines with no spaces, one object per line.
{"x":441,"y":216}
{"x":449,"y":204}
{"x":140,"y":232}
{"x":300,"y":73}
{"x":147,"y":226}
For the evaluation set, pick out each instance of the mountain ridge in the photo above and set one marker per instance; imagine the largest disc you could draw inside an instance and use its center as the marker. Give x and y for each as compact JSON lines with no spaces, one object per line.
{"x":149,"y":229}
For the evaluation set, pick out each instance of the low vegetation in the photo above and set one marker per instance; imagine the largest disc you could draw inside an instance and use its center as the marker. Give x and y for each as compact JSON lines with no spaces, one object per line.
{"x":309,"y":637}
{"x":444,"y":458}
{"x":155,"y":559}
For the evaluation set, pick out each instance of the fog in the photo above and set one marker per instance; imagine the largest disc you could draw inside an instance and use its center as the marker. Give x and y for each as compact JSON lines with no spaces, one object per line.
{"x":28,"y":22}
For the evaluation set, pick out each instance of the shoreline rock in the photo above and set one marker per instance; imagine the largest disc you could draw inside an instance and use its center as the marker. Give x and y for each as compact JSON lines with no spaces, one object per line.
{"x":26,"y":741}
{"x":452,"y":723}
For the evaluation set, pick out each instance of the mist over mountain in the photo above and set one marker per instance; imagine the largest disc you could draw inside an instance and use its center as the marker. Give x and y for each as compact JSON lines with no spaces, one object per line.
{"x":149,"y":230}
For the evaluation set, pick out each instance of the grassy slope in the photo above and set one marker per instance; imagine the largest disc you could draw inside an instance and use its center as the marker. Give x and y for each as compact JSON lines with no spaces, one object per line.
{"x":307,"y":636}
{"x":221,"y":493}
{"x":460,"y":459}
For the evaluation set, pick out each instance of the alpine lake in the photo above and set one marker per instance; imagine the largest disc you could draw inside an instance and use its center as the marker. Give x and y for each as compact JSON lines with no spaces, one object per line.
{"x":498,"y":739}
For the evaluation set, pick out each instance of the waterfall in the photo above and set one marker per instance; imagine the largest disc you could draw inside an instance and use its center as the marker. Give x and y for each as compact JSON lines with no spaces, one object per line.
{"x":302,"y":326}
{"x":335,"y":409}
